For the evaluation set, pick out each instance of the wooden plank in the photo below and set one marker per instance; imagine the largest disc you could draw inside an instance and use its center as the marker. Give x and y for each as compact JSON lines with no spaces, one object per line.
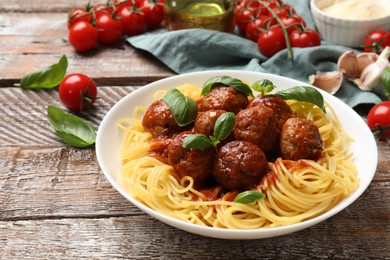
{"x":39,"y":6}
{"x":30,"y":42}
{"x":140,"y":237}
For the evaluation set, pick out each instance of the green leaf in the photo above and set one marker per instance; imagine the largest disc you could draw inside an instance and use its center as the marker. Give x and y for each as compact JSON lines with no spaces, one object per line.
{"x":263,"y":86}
{"x":183,"y":108}
{"x":229,"y":81}
{"x":303,"y":93}
{"x":48,"y":77}
{"x":385,"y":80}
{"x":249,"y":196}
{"x":71,"y":129}
{"x":224,"y":126}
{"x":197,"y":141}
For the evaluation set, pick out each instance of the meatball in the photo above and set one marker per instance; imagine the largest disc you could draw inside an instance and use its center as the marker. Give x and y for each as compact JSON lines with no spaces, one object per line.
{"x":205,"y":121}
{"x":278,"y":105}
{"x":159,"y":121}
{"x":239,"y":165}
{"x":190,"y":162}
{"x":222,"y":97}
{"x":300,"y":139}
{"x":257,"y":125}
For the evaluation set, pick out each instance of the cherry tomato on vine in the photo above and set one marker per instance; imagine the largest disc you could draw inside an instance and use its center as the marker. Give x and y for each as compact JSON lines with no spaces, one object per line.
{"x":78,"y":14}
{"x":109,"y":29}
{"x":376,"y":41}
{"x":133,"y":21}
{"x":130,"y":3}
{"x":304,"y":38}
{"x":255,"y":27}
{"x":271,"y":41}
{"x":77,"y":91}
{"x":154,"y":12}
{"x":379,"y":115}
{"x":293,"y":22}
{"x":243,"y":17}
{"x":101,"y":9}
{"x":83,"y":36}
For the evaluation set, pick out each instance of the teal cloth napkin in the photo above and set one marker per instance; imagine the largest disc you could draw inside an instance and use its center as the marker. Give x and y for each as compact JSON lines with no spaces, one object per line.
{"x":198,"y":50}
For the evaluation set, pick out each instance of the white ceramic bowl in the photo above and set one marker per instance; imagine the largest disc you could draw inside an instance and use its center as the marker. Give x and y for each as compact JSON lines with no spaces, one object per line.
{"x":346,"y":32}
{"x":110,"y":138}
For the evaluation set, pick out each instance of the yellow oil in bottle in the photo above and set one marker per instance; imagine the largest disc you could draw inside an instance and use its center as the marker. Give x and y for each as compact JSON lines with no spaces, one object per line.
{"x":214,"y":15}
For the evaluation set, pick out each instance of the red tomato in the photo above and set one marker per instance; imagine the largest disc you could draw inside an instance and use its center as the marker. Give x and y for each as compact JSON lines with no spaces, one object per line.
{"x":304,"y":38}
{"x":154,"y":12}
{"x":255,"y":27}
{"x":101,"y":9}
{"x":271,"y":41}
{"x":293,"y":22}
{"x":121,"y":3}
{"x":285,"y":10}
{"x":133,"y":21}
{"x":380,"y":115}
{"x":243,"y":17}
{"x":78,"y":14}
{"x":376,"y":41}
{"x":83,"y":36}
{"x":77,"y":91}
{"x":109,"y":29}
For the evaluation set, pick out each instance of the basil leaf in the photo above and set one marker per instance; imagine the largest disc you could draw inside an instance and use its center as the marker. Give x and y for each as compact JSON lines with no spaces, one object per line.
{"x":71,"y":129}
{"x":224,"y":125}
{"x":263,"y":86}
{"x":183,"y":108}
{"x":303,"y":93}
{"x":249,"y":196}
{"x":229,"y":81}
{"x":197,"y":141}
{"x":48,"y":77}
{"x":385,"y":81}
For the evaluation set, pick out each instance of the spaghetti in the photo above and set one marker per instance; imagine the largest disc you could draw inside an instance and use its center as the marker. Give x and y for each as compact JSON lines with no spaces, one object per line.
{"x":294,"y":190}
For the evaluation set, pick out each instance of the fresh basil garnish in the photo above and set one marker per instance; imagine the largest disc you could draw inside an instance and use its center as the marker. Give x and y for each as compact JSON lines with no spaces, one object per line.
{"x":222,"y":129}
{"x":197,"y":141}
{"x":385,"y":81}
{"x":263,"y":86}
{"x":249,"y":196}
{"x":303,"y":93}
{"x":224,"y":126}
{"x":71,"y":129}
{"x":229,"y":81}
{"x":183,"y":108}
{"x":48,"y":77}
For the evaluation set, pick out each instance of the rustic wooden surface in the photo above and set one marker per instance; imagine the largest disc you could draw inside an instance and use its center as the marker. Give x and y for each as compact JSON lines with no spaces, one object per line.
{"x":55,"y":201}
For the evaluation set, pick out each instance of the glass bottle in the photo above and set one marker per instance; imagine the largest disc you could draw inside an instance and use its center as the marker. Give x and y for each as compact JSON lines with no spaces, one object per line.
{"x":209,"y":14}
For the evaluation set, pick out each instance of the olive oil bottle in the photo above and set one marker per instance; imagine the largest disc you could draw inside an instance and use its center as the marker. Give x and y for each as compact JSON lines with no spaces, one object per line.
{"x":214,"y":15}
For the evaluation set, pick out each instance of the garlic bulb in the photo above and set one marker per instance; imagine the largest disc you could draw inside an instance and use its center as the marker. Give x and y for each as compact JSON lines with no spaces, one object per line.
{"x":328,"y":81}
{"x":352,"y":65}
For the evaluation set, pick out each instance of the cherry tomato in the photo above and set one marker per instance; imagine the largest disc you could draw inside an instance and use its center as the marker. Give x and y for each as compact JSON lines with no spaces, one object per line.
{"x":293,"y":22}
{"x":285,"y":10}
{"x":109,"y":29}
{"x":304,"y":38}
{"x":154,"y":12}
{"x":255,"y":27}
{"x":77,"y":91}
{"x":243,"y":17}
{"x":101,"y":9}
{"x":121,"y":3}
{"x":380,"y":115}
{"x":78,"y":14}
{"x":83,"y":36}
{"x":133,"y":21}
{"x":376,"y":41}
{"x":271,"y":41}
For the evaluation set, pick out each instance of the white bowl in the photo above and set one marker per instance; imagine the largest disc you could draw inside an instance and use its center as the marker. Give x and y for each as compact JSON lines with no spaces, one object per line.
{"x":346,"y":32}
{"x":110,"y":138}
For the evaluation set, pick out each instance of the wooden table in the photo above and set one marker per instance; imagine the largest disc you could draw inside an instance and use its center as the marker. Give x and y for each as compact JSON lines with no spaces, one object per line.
{"x":55,"y":201}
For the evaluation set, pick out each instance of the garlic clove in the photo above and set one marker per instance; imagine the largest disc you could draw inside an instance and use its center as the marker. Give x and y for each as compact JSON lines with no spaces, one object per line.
{"x":370,"y":78}
{"x":328,"y":81}
{"x":364,"y":59}
{"x":348,"y":65}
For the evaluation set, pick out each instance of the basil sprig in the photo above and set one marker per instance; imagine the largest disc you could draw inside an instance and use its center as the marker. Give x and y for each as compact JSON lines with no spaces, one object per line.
{"x":71,"y":129}
{"x":183,"y":108}
{"x":263,"y":86}
{"x":385,"y":81}
{"x":229,"y":81}
{"x":249,"y":196}
{"x":222,"y":129}
{"x":303,"y":93}
{"x":48,"y":77}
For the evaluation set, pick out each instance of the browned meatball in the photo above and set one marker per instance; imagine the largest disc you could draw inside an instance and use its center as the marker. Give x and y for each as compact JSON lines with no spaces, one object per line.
{"x":278,"y":105}
{"x":159,"y":121}
{"x":190,"y":162}
{"x":300,"y":139}
{"x":205,"y":121}
{"x":257,"y":125}
{"x":222,"y":97}
{"x":239,"y":165}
